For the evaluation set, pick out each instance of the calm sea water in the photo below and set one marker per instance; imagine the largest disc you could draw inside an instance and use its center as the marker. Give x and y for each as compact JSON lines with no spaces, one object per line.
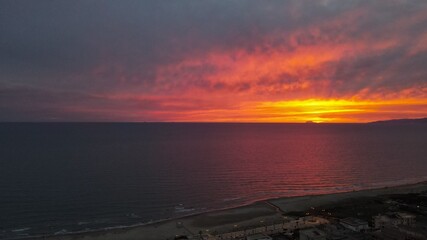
{"x":57,"y":178}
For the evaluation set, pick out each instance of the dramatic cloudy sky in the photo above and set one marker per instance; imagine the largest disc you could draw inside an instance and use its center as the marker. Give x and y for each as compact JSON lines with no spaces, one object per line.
{"x":227,"y":60}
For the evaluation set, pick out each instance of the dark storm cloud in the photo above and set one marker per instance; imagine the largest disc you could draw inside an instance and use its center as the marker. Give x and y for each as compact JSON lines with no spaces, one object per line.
{"x":62,"y":37}
{"x":390,"y":70}
{"x":47,"y":105}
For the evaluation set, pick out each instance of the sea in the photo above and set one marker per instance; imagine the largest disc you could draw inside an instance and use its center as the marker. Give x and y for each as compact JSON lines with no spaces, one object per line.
{"x":59,"y":178}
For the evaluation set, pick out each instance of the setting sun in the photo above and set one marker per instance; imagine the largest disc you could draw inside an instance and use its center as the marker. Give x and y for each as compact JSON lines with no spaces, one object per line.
{"x":335,"y":110}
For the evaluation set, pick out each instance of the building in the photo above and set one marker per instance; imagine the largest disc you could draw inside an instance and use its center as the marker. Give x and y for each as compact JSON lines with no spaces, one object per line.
{"x":393,"y":219}
{"x":382,"y":221}
{"x":258,"y":237}
{"x":339,"y":232}
{"x":403,"y":232}
{"x":312,"y":234}
{"x":355,"y":224}
{"x":406,"y":218}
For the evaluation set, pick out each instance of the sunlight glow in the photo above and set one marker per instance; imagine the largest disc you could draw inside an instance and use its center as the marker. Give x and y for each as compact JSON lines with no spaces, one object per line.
{"x":334,"y":110}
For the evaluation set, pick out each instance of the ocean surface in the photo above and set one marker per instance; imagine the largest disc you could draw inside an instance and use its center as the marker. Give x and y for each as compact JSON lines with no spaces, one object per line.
{"x":57,"y":178}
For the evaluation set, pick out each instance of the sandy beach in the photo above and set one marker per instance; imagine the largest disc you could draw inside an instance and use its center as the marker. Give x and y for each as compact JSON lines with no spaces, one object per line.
{"x":261,"y":212}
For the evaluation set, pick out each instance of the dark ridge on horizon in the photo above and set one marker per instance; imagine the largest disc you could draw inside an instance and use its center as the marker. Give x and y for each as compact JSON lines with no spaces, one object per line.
{"x":402,"y":121}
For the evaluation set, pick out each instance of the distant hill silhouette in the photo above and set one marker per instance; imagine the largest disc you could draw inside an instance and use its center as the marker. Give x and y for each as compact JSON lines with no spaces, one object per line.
{"x":402,"y":121}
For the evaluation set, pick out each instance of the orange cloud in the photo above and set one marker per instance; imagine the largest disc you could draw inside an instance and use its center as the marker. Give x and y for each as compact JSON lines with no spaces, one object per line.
{"x":320,"y":73}
{"x":289,"y":62}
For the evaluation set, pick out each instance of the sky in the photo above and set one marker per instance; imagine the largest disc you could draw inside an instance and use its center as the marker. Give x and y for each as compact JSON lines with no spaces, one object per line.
{"x":213,"y":61}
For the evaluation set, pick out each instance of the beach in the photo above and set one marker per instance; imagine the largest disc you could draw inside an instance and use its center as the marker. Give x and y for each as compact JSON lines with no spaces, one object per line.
{"x":259,"y":213}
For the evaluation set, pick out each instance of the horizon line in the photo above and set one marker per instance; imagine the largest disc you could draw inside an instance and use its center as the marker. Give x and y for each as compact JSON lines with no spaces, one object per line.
{"x":214,"y":122}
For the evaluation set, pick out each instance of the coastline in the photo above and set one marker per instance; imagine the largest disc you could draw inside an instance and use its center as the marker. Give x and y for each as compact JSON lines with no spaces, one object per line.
{"x":224,"y":220}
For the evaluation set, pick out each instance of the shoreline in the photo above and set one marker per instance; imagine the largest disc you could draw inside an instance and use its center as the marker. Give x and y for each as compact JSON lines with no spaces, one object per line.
{"x":222,"y":220}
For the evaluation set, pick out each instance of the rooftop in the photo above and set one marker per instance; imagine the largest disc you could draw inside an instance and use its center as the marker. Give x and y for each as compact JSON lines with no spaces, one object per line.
{"x":354,"y":221}
{"x":258,"y":237}
{"x":312,"y":232}
{"x":405,"y":215}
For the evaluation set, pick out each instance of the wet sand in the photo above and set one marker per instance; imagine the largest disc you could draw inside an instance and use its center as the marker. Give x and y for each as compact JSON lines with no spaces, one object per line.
{"x":226,"y":220}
